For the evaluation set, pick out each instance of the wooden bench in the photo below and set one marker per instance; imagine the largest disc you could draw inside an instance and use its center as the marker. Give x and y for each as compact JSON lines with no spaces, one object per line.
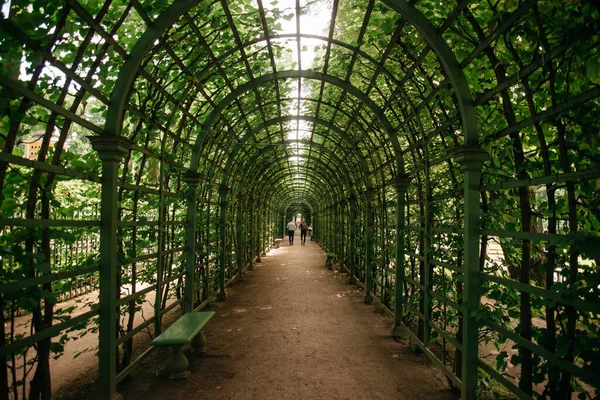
{"x":276,"y":243}
{"x":185,"y":330}
{"x":329,"y":260}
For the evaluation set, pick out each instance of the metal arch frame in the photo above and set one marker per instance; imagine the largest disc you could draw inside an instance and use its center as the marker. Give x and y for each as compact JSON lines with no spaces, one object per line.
{"x":468,"y":156}
{"x":167,"y":18}
{"x":129,"y":71}
{"x":276,"y":161}
{"x":449,"y":64}
{"x":287,"y":205}
{"x":348,"y":47}
{"x":328,"y":151}
{"x":325,"y":39}
{"x":280,"y":174}
{"x":280,"y":187}
{"x":341,"y":133}
{"x":238,"y":146}
{"x":309,"y":173}
{"x":242,"y":89}
{"x":324,"y":103}
{"x":285,"y":143}
{"x":344,"y":45}
{"x":290,"y":198}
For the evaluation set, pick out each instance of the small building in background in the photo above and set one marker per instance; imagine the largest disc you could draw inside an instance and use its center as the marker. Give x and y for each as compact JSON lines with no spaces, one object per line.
{"x":32,"y":145}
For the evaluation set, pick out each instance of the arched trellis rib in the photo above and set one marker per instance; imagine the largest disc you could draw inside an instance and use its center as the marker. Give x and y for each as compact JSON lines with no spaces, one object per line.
{"x":279,"y":173}
{"x":215,"y":114}
{"x":365,"y":171}
{"x":277,"y":177}
{"x":261,"y":169}
{"x":449,"y":63}
{"x":129,"y":72}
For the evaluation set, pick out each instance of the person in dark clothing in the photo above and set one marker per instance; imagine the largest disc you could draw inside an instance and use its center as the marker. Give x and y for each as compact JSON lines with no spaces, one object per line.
{"x":303,"y":232}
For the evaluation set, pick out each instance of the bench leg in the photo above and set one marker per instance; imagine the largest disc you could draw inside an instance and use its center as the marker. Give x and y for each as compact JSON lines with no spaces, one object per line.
{"x":329,"y":263}
{"x":179,"y":364}
{"x":199,"y":342}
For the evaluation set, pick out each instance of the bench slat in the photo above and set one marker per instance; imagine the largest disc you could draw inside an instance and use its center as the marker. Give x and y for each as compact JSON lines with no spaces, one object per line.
{"x":184,"y":329}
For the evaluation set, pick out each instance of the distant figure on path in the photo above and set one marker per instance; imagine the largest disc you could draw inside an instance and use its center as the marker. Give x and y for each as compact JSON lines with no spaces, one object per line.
{"x":303,"y":232}
{"x":291,"y":226}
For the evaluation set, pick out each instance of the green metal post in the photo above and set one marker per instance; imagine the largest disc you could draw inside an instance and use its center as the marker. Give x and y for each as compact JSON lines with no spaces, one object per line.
{"x":270,"y":227}
{"x":160,"y":257}
{"x":402,"y":182}
{"x":284,"y":227}
{"x":471,"y":161}
{"x":240,"y":245}
{"x":351,"y":250}
{"x":335,"y":228}
{"x":330,"y":229}
{"x":263,"y":231}
{"x":427,"y":278}
{"x":325,"y":238}
{"x":251,"y":233}
{"x":223,"y":191}
{"x":192,"y":179}
{"x":342,"y":229}
{"x":369,"y":197}
{"x":259,"y":234}
{"x":111,"y":150}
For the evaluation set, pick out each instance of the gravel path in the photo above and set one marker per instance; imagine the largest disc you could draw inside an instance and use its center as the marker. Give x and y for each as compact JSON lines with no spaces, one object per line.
{"x":294,"y":330}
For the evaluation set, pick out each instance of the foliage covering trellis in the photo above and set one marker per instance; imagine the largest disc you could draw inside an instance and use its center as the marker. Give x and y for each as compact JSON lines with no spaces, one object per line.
{"x":370,"y":140}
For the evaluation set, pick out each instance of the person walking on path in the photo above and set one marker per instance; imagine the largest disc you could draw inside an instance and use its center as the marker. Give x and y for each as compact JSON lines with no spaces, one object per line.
{"x":291,"y":226}
{"x":303,"y":232}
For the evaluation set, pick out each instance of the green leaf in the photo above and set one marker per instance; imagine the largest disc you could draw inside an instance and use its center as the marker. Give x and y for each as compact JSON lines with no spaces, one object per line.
{"x":592,"y":67}
{"x":9,"y":205}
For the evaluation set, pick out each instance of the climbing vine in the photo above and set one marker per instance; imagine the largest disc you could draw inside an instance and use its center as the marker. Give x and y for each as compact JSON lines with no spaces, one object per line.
{"x":269,"y":116}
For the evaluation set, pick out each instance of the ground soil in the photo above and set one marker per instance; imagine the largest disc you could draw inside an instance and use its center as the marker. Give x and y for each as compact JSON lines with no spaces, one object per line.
{"x":291,"y":329}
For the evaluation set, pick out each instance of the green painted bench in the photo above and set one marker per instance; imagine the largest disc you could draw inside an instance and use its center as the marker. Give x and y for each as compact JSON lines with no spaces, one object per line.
{"x":185,"y":330}
{"x":329,"y":260}
{"x":276,"y":243}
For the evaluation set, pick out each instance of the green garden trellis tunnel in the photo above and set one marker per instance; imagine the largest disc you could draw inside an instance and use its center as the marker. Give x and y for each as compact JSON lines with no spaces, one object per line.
{"x":152,"y":150}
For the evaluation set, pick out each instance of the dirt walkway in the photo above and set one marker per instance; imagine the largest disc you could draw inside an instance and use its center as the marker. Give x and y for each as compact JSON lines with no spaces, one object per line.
{"x":294,"y":330}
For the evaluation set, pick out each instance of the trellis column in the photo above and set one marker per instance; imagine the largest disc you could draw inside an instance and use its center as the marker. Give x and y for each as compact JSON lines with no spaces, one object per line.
{"x":351,"y":250}
{"x":251,"y":233}
{"x":263,"y":230}
{"x":284,"y":227}
{"x":471,"y":161}
{"x":326,"y":221}
{"x":402,"y":183}
{"x":332,"y":228}
{"x":192,"y":179}
{"x":259,"y":234}
{"x":342,"y":234}
{"x":111,"y":150}
{"x":240,"y":246}
{"x":369,"y":197}
{"x":336,"y":228}
{"x":223,"y":191}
